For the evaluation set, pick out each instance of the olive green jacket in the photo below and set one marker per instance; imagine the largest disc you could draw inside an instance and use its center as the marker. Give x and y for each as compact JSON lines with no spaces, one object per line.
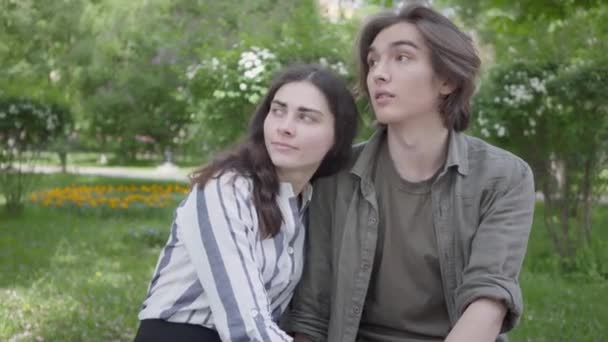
{"x":482,"y":204}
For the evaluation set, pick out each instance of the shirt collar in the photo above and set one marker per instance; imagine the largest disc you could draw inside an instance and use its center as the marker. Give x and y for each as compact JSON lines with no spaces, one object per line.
{"x":457,"y":154}
{"x":286,"y":191}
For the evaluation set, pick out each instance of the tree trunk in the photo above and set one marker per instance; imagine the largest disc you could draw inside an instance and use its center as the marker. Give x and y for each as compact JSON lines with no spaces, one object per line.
{"x":548,"y":214}
{"x":63,"y":159}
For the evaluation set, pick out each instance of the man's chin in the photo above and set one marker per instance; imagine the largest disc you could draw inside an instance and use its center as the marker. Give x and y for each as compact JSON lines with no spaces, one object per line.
{"x":388,"y":119}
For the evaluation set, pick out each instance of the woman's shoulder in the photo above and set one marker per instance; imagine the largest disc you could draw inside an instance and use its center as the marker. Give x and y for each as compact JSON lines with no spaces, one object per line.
{"x":228,"y":181}
{"x":225,"y":187}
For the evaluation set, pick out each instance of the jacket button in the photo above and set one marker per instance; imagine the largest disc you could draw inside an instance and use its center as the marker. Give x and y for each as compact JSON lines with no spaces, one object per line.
{"x":356,"y":310}
{"x":372,"y":220}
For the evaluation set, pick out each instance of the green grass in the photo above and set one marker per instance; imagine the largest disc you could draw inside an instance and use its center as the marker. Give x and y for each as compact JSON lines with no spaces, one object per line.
{"x":69,"y":277}
{"x":560,"y":306}
{"x":557,"y":309}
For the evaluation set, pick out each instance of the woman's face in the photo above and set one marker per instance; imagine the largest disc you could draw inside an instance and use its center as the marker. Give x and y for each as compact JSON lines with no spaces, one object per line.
{"x":299,"y":128}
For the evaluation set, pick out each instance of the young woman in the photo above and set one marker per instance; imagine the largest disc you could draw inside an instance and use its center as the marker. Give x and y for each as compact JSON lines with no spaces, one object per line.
{"x":235,"y":253}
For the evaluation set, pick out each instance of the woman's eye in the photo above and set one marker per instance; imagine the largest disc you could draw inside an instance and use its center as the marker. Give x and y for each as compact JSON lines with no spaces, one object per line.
{"x":276,"y":111}
{"x":403,"y":58}
{"x":306,"y":117}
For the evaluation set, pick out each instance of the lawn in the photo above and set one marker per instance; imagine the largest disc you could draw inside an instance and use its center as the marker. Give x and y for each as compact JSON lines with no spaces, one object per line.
{"x":82,"y":277}
{"x":76,"y":277}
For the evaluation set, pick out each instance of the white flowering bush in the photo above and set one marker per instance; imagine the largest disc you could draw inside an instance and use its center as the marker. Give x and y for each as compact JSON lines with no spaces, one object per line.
{"x":222,"y":91}
{"x":223,"y":87}
{"x":26,"y":126}
{"x":556,"y":118}
{"x":511,"y":103}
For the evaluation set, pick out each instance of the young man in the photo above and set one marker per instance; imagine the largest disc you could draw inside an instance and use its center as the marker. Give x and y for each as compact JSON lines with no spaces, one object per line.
{"x":422,"y":238}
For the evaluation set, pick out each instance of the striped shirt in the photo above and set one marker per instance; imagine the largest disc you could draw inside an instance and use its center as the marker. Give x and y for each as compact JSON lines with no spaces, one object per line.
{"x":215,"y":269}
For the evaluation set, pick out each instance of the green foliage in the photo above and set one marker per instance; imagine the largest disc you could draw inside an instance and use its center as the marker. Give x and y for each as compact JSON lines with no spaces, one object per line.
{"x":38,"y":38}
{"x":26,"y":126}
{"x":556,"y":118}
{"x":122,"y":67}
{"x":223,"y":92}
{"x":557,"y":31}
{"x":129,"y":84}
{"x":543,"y":98}
{"x":224,"y":87}
{"x":588,"y":264}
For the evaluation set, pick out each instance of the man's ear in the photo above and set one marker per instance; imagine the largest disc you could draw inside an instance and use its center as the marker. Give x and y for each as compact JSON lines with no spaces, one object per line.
{"x":447,"y":87}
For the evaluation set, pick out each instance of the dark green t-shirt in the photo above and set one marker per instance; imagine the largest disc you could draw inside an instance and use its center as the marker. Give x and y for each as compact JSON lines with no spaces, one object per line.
{"x":405,"y":300}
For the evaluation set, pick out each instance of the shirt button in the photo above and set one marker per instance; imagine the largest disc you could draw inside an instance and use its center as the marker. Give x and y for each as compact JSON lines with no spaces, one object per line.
{"x":372,"y":220}
{"x":365,"y":266}
{"x":290,"y":250}
{"x":356,"y":310}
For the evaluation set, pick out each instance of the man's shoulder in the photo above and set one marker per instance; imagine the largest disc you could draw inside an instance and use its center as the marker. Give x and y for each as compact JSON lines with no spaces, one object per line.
{"x":492,"y":161}
{"x":344,"y":177}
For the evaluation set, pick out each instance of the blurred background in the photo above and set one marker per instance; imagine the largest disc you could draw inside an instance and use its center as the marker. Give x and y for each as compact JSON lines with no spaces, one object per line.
{"x":106,"y":105}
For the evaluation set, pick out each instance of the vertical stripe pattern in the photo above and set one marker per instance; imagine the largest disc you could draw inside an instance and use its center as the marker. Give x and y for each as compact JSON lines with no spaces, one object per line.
{"x":215,"y":271}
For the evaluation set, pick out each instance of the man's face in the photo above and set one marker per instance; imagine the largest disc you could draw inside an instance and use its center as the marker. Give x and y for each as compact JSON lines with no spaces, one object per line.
{"x":401,"y":81}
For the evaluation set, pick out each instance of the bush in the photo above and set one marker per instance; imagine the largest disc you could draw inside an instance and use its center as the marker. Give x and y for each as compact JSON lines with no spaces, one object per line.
{"x":26,"y":127}
{"x":223,"y":88}
{"x":556,"y":118}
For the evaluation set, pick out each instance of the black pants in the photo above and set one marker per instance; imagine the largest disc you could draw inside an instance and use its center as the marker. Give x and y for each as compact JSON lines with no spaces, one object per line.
{"x":158,"y":330}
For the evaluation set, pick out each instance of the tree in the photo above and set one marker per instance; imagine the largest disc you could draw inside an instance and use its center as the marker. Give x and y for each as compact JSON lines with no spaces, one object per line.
{"x":556,"y":119}
{"x":541,"y":97}
{"x":224,"y":85}
{"x":41,"y":44}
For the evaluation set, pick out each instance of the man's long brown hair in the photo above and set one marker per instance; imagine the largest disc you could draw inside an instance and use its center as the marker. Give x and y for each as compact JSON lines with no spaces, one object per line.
{"x":250,"y":158}
{"x":453,"y":56}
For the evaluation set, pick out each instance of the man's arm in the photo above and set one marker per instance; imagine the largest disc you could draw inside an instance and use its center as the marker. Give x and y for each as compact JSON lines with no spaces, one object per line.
{"x":489,"y":299}
{"x":481,"y":322}
{"x":310,"y":309}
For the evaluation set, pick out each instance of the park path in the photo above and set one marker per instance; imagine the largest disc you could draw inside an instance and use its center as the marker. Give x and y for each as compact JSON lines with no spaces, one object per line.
{"x":163,"y":172}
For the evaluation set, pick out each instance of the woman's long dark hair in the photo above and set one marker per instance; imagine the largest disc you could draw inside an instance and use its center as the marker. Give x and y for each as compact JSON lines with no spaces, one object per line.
{"x":250,"y":158}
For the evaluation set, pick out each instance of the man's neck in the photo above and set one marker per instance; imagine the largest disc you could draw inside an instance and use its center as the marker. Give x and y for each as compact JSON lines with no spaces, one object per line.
{"x":418,"y":148}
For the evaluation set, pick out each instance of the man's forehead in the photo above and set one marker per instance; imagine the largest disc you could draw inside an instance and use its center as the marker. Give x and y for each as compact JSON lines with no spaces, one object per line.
{"x":398,"y":34}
